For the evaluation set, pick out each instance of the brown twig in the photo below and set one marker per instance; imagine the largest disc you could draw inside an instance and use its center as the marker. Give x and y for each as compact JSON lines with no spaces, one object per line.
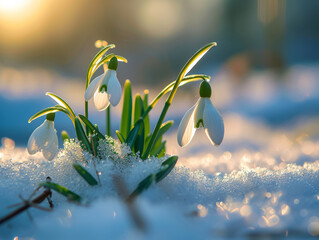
{"x":27,"y":204}
{"x":123,"y":192}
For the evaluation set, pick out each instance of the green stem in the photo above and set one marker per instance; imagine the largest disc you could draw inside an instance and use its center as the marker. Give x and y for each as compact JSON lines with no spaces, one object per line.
{"x":108,"y":121}
{"x":86,"y":114}
{"x":155,"y":132}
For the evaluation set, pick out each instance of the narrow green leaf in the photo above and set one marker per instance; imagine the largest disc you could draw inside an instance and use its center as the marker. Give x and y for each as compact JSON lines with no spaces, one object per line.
{"x":143,"y":185}
{"x":139,"y":142}
{"x":162,"y":151}
{"x":167,"y":167}
{"x":163,"y":129}
{"x":85,"y":174}
{"x":61,"y":102}
{"x":71,"y":196}
{"x":94,"y":61}
{"x":134,"y":133}
{"x":65,"y":136}
{"x":147,"y":127}
{"x":158,"y":149}
{"x":93,"y":129}
{"x":195,"y":58}
{"x":49,"y":110}
{"x":81,"y":135}
{"x":138,"y":108}
{"x":126,"y":118}
{"x":120,"y":136}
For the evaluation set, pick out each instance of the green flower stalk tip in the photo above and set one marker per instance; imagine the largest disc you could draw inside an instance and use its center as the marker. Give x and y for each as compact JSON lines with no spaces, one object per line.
{"x":113,"y":63}
{"x":50,"y":116}
{"x":205,"y":90}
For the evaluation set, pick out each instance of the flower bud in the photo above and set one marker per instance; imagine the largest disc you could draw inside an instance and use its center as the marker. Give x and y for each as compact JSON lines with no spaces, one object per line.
{"x":204,"y":90}
{"x":50,"y":116}
{"x":113,"y":63}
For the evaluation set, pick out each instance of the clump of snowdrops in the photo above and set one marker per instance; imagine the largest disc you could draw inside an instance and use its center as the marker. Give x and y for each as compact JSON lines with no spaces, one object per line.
{"x":135,"y":128}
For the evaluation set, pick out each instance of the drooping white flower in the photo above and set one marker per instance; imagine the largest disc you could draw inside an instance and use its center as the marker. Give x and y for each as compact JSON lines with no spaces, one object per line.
{"x":105,"y":88}
{"x":44,"y":138}
{"x":204,"y":114}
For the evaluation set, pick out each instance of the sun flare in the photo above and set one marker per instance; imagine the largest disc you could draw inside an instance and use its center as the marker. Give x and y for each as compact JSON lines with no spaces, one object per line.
{"x":12,"y":6}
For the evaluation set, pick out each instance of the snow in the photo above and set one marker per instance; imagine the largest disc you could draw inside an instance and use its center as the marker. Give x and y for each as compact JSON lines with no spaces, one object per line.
{"x":262,"y":182}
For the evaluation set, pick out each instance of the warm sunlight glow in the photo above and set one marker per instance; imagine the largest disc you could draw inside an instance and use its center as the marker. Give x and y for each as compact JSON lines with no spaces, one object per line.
{"x":13,"y":6}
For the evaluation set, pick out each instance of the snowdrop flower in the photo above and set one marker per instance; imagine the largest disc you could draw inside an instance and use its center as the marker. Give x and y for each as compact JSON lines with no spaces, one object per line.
{"x":45,"y":139}
{"x":203,"y":113}
{"x":105,"y":88}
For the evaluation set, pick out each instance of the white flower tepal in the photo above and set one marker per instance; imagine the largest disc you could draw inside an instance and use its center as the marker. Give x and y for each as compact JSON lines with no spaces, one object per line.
{"x":44,"y":138}
{"x":105,"y":88}
{"x":204,"y":114}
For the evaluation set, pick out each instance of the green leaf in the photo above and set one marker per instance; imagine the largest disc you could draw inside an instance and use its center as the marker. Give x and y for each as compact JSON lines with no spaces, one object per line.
{"x":65,"y":136}
{"x":93,"y":129}
{"x":85,"y":174}
{"x":139,"y":142}
{"x":134,"y":133}
{"x":164,"y":128}
{"x":167,"y":167}
{"x":158,"y":149}
{"x":71,"y":196}
{"x":81,"y":135}
{"x":162,"y":151}
{"x":120,"y":136}
{"x":138,"y":108}
{"x":94,"y":62}
{"x":126,"y":118}
{"x":143,"y":185}
{"x":195,"y":58}
{"x":49,"y":110}
{"x":61,"y":102}
{"x":147,"y":127}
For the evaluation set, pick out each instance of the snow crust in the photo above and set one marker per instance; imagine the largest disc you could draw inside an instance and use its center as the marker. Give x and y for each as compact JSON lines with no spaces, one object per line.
{"x":256,"y":194}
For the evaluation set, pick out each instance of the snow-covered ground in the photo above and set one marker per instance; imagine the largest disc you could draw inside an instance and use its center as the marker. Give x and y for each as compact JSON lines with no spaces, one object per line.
{"x":261,"y":183}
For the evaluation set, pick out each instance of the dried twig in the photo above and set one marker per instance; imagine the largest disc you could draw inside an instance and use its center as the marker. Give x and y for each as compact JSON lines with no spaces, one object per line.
{"x":26,"y":204}
{"x":124,"y":193}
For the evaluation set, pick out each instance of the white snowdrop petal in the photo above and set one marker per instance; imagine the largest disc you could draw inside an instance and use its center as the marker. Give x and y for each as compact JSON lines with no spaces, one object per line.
{"x":108,"y":74}
{"x":51,"y":146}
{"x":37,"y":138}
{"x":186,"y":128}
{"x":101,"y":100}
{"x":213,"y":123}
{"x":114,"y":89}
{"x":199,"y":110}
{"x":93,"y":86}
{"x":32,"y":145}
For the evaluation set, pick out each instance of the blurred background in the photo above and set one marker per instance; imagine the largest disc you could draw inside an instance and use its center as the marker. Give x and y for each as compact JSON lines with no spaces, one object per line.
{"x":265,"y":67}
